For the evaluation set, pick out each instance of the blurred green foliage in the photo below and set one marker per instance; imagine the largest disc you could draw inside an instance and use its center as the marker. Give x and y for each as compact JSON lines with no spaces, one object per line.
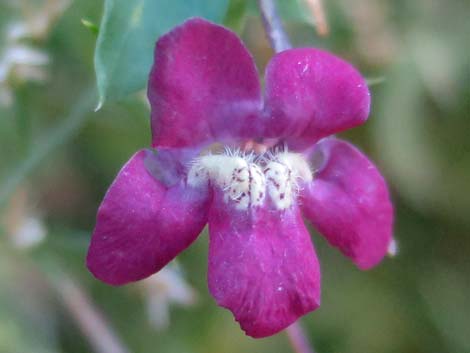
{"x":58,"y":157}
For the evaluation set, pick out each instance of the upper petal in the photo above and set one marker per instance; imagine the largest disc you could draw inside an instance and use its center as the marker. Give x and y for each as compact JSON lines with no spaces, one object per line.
{"x":203,"y":87}
{"x":348,"y":202}
{"x":311,"y":94}
{"x":142,"y":224}
{"x":262,"y":266}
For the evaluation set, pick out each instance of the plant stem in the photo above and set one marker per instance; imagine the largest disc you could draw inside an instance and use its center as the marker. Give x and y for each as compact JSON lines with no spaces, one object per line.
{"x":279,"y":42}
{"x":318,"y":11}
{"x":87,"y":317}
{"x":46,"y":267}
{"x":273,"y":26}
{"x":50,"y":141}
{"x":298,"y":340}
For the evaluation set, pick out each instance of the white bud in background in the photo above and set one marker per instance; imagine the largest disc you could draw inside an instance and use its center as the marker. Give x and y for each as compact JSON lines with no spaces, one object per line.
{"x":163,"y":289}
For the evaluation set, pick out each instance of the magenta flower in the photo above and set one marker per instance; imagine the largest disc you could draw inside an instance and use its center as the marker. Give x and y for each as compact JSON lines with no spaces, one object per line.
{"x":204,"y":90}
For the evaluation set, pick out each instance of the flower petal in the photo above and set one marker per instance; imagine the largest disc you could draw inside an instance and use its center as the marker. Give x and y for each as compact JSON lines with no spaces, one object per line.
{"x":142,"y":225}
{"x":311,"y":94}
{"x":348,"y":202}
{"x":263,"y":267}
{"x":203,"y":87}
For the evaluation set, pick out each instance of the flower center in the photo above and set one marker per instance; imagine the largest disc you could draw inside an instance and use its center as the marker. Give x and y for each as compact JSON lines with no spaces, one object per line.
{"x":249,"y":180}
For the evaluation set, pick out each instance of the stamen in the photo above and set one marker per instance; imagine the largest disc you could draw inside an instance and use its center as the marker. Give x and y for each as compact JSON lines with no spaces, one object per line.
{"x":246,"y":178}
{"x":279,"y":184}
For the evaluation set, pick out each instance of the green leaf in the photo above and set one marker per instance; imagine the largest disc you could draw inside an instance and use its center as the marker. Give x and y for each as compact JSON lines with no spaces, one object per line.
{"x":127,"y":36}
{"x":295,"y":11}
{"x":236,"y":15}
{"x":93,"y":28}
{"x":49,"y":142}
{"x":372,"y":81}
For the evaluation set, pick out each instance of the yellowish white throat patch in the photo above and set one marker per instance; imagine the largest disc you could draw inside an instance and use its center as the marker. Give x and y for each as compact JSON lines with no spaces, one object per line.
{"x":248,"y":180}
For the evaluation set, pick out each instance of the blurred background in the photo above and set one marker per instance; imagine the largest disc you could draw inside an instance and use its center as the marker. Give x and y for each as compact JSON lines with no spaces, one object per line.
{"x":58,"y":156}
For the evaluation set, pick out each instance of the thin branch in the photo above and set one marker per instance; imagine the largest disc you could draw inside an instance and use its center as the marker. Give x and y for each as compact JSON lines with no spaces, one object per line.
{"x":318,"y":11}
{"x":298,"y":340}
{"x":74,"y":298}
{"x":273,"y":26}
{"x":279,"y":42}
{"x":90,"y":321}
{"x":50,"y":141}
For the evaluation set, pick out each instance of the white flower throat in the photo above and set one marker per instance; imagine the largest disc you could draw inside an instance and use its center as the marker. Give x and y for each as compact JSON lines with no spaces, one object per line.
{"x":248,"y":180}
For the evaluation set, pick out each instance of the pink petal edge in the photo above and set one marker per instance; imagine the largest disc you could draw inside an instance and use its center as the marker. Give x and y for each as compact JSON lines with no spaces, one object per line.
{"x":311,"y":94}
{"x":262,"y":266}
{"x":142,"y":225}
{"x":348,"y":202}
